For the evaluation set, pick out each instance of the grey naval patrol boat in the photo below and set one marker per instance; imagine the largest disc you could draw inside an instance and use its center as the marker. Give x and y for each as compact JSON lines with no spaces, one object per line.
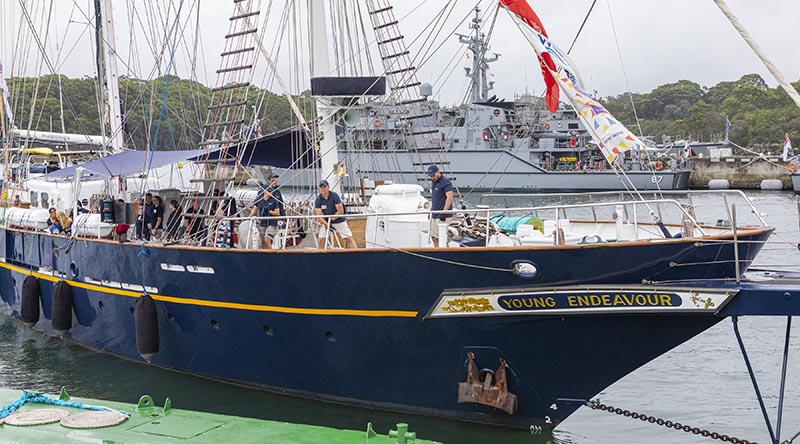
{"x":486,"y":144}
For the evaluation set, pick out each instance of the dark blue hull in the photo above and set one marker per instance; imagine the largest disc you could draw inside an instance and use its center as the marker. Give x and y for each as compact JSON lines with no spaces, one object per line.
{"x":350,"y":326}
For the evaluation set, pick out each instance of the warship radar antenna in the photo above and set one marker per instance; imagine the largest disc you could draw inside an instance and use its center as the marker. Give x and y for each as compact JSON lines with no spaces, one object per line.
{"x":477,"y":44}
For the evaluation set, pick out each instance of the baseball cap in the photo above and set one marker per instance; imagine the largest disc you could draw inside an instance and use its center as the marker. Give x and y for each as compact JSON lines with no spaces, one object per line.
{"x":273,"y":176}
{"x":432,"y":170}
{"x":324,"y":183}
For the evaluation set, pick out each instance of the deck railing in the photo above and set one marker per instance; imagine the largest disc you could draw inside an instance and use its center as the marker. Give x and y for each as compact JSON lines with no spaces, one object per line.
{"x":654,"y":213}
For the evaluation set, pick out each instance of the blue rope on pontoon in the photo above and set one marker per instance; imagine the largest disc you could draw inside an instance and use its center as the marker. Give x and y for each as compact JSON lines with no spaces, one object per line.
{"x":39,"y":398}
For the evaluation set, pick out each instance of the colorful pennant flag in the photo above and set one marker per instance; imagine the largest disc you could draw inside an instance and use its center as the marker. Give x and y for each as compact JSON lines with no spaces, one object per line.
{"x":524,"y":11}
{"x":611,"y":135}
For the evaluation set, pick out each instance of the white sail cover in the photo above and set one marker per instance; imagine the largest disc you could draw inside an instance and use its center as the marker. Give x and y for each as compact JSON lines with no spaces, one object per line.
{"x":611,"y":135}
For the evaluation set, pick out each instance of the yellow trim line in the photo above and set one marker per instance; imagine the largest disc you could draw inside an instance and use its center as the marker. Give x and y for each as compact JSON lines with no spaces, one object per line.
{"x":220,"y":304}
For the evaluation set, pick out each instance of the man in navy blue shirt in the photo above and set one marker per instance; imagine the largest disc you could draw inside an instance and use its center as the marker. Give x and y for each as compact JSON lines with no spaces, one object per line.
{"x":264,"y":207}
{"x":147,"y":217}
{"x":328,"y":203}
{"x":441,"y":198}
{"x":276,"y":192}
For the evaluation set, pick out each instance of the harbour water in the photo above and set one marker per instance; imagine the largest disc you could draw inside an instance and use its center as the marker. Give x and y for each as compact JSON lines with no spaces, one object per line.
{"x":702,"y":383}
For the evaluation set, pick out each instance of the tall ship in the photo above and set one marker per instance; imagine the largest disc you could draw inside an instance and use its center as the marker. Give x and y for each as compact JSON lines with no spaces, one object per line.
{"x":489,"y":315}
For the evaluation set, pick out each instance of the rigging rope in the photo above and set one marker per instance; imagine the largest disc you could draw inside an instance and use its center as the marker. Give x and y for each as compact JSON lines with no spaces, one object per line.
{"x":585,"y":19}
{"x":763,"y":57}
{"x":624,"y":72}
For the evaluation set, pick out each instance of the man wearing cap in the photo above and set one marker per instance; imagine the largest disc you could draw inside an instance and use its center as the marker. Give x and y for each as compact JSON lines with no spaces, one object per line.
{"x":264,"y":207}
{"x":276,"y":193}
{"x":441,"y":198}
{"x":328,"y":203}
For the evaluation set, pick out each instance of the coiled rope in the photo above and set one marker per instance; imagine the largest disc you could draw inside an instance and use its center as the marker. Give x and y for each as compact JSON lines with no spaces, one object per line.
{"x":39,"y":398}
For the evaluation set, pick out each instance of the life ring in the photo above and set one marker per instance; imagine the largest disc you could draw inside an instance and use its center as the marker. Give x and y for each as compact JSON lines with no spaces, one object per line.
{"x":377,"y":123}
{"x":546,"y":126}
{"x":792,"y":167}
{"x":658,"y":165}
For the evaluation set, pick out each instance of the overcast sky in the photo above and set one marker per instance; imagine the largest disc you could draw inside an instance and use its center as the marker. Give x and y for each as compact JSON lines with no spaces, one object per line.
{"x":660,"y":41}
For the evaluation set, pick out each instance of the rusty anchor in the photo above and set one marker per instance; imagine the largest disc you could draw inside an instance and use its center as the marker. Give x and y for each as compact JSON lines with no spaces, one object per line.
{"x":492,"y":391}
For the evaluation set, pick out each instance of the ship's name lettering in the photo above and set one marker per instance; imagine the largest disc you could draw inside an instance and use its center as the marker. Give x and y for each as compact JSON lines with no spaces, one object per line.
{"x":589,"y":300}
{"x":524,"y":303}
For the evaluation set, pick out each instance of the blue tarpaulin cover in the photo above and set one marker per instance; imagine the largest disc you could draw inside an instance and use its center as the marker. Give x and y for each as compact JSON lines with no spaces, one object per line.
{"x":283,"y":149}
{"x":126,"y":163}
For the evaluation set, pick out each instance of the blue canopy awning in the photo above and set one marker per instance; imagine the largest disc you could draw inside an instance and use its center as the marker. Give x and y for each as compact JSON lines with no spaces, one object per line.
{"x":284,"y":149}
{"x":289,"y":148}
{"x":127,"y":163}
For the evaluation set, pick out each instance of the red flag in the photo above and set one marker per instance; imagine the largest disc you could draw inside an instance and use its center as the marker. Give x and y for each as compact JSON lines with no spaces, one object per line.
{"x":522,"y":9}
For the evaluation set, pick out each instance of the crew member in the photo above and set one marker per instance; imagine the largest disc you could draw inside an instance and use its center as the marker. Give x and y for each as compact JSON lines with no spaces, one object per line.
{"x":441,"y":198}
{"x":328,"y":203}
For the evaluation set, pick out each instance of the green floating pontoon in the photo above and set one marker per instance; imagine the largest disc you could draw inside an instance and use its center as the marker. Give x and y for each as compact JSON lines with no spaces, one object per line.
{"x":33,"y":418}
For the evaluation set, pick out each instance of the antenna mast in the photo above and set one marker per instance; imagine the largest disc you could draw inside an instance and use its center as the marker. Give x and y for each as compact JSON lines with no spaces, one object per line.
{"x":477,"y":45}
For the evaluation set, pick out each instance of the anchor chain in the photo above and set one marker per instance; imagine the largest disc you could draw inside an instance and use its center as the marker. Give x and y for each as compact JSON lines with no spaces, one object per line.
{"x":595,"y":404}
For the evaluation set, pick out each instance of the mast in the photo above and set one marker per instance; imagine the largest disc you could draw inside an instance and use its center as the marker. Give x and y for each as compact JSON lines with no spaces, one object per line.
{"x":61,"y":110}
{"x":477,"y":45}
{"x":107,"y":71}
{"x":6,"y":160}
{"x":326,"y":108}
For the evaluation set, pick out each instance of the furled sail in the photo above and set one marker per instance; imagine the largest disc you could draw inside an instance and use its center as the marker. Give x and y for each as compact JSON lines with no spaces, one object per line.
{"x":611,"y":135}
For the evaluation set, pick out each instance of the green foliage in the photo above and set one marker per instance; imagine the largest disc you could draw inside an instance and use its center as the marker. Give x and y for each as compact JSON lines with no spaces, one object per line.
{"x":182,"y":118}
{"x":759,"y":115}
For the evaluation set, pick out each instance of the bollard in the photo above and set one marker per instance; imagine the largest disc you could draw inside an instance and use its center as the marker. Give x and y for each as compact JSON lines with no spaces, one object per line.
{"x":402,"y":434}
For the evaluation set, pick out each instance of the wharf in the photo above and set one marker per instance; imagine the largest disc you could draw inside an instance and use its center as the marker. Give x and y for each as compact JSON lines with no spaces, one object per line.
{"x":742,"y":172}
{"x":165,"y":425}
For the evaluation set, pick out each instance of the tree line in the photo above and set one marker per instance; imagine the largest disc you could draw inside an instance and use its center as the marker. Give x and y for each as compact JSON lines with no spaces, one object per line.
{"x":759,"y":115}
{"x":181,"y":120}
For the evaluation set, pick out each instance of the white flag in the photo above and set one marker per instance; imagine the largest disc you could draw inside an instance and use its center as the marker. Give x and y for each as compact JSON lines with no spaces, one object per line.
{"x":687,"y":149}
{"x":4,"y":88}
{"x":787,"y":148}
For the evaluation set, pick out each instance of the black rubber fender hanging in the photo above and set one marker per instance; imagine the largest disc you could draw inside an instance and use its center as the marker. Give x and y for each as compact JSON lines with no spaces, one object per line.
{"x":147,"y":340}
{"x":62,"y":307}
{"x":29,"y":310}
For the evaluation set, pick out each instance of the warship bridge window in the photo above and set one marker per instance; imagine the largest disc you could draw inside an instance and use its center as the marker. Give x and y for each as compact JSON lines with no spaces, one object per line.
{"x":34,"y":199}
